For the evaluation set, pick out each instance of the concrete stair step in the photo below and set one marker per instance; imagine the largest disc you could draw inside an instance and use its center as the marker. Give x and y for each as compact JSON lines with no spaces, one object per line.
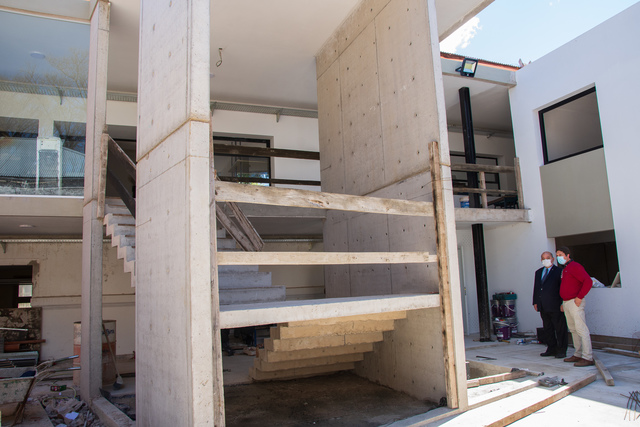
{"x":283,"y":356}
{"x":226,"y":244}
{"x":127,"y":253}
{"x":120,"y":219}
{"x":123,"y":240}
{"x":116,"y":209}
{"x":259,"y":375}
{"x":244,"y":279}
{"x":120,"y":230}
{"x":346,"y":328}
{"x":252,"y":295}
{"x":265,"y":366}
{"x":237,"y":268}
{"x":321,"y":341}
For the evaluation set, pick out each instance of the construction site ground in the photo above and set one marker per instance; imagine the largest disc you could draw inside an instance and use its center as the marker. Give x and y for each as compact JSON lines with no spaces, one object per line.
{"x":345,"y":399}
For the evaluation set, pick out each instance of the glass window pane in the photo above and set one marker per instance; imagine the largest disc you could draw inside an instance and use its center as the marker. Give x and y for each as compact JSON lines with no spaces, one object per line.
{"x":25,"y":290}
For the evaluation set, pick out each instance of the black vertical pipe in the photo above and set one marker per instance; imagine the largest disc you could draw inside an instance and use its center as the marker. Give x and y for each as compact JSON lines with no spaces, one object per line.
{"x":479,"y":256}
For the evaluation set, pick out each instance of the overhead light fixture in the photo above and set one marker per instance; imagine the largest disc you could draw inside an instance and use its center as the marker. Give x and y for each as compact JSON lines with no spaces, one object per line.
{"x":468,"y":68}
{"x":27,"y":226}
{"x":37,"y":55}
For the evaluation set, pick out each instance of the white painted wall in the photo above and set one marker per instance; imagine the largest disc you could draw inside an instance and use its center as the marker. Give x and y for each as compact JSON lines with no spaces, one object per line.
{"x":294,"y":133}
{"x":604,"y":56}
{"x":57,"y":280}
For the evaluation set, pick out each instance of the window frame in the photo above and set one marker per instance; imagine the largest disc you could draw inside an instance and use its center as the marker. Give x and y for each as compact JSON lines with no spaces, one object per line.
{"x":545,"y":153}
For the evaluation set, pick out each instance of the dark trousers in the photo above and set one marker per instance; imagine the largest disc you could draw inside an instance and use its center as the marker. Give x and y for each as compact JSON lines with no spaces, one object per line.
{"x":555,"y":330}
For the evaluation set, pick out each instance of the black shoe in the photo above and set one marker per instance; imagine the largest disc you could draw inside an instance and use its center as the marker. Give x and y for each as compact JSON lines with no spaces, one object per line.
{"x":561,"y":355}
{"x":548,"y":353}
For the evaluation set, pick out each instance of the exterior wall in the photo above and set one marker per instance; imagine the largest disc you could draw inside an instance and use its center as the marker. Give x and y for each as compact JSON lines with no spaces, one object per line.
{"x":513,"y":251}
{"x":57,"y":276}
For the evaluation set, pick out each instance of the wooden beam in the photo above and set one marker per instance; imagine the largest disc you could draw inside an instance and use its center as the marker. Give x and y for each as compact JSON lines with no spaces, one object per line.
{"x":237,"y":150}
{"x":102,"y":174}
{"x":323,"y":258}
{"x":229,"y":192}
{"x":622,"y":352}
{"x":458,"y":190}
{"x":604,"y":372}
{"x":554,"y":397}
{"x":247,"y":227}
{"x":477,"y":382}
{"x":469,"y":167}
{"x":518,"y":175}
{"x":270,"y":181}
{"x":233,"y":230}
{"x":482,"y":183}
{"x":446,"y":304}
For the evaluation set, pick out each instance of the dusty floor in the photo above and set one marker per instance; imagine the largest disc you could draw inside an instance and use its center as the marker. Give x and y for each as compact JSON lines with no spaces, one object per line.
{"x":341,"y":399}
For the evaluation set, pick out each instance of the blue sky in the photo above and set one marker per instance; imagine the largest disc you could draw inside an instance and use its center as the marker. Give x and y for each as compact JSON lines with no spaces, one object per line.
{"x":508,"y":30}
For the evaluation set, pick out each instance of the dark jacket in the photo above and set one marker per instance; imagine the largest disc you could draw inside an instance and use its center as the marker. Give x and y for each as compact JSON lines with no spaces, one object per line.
{"x":547,"y":294}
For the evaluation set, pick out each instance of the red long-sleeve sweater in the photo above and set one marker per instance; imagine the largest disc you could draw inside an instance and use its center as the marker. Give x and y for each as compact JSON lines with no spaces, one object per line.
{"x":576,"y":282}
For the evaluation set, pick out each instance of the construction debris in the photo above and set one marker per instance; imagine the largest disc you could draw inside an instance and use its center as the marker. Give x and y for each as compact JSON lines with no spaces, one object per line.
{"x":604,"y":372}
{"x":69,"y":411}
{"x":622,"y":352}
{"x":476,"y":382}
{"x":551,"y":381}
{"x":632,"y":405}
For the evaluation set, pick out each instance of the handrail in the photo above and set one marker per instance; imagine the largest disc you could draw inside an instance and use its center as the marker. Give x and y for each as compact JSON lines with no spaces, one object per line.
{"x":482,"y":189}
{"x":112,"y":157}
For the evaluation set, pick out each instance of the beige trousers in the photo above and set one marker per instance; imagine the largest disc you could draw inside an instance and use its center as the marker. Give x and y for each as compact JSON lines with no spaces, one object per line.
{"x":578,"y":328}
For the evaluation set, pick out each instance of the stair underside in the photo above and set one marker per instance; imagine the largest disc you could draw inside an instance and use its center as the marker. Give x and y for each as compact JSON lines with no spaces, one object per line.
{"x":321,"y":346}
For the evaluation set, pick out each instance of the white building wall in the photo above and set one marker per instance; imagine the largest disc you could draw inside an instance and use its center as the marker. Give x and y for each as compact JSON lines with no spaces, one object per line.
{"x":293,"y":133}
{"x":57,"y":274}
{"x":607,"y":57}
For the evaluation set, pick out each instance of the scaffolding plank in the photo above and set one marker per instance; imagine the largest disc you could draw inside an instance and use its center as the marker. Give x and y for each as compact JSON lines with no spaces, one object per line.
{"x":604,"y":372}
{"x":322,"y":258}
{"x":231,"y":192}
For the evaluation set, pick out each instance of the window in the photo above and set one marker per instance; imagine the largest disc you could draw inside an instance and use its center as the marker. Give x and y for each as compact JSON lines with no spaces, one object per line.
{"x":571,"y":127}
{"x":598,"y":254}
{"x":242,"y":167}
{"x":16,"y":288}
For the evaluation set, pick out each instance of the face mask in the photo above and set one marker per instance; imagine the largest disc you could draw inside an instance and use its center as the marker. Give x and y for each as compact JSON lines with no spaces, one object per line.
{"x":546,"y":263}
{"x":561,"y":260}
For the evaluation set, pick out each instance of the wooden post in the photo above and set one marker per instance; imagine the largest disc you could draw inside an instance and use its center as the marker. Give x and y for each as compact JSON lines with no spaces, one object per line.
{"x":516,"y":164}
{"x":483,"y":186}
{"x":446,"y":304}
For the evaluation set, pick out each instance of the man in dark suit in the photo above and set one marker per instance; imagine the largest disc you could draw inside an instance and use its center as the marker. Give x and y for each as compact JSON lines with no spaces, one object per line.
{"x":547,"y":301}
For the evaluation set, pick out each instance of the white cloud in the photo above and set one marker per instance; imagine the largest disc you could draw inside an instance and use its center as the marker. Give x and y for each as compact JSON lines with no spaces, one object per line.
{"x":461,"y":37}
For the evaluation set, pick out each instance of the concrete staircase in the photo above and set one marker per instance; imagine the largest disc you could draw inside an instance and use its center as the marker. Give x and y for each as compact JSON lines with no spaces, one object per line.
{"x":302,"y":349}
{"x":237,"y":284}
{"x":121,"y":226}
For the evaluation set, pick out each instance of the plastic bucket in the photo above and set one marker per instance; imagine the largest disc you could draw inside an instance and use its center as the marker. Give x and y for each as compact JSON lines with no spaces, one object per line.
{"x":464,"y":201}
{"x":108,"y":370}
{"x":509,"y":308}
{"x":504,"y":333}
{"x":495,"y":308}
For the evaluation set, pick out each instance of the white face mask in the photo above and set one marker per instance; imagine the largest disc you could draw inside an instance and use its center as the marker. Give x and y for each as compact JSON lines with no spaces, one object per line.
{"x":546,"y":263}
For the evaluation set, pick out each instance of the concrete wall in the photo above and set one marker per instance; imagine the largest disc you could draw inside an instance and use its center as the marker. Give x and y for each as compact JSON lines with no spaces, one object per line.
{"x":513,"y":252}
{"x":377,"y":112}
{"x":57,"y":274}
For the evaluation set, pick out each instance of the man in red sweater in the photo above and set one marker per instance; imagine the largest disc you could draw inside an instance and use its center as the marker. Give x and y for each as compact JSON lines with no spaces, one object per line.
{"x":575,"y":285}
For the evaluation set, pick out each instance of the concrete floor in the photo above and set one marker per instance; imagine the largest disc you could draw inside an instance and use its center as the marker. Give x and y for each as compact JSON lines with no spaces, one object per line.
{"x":594,"y":405}
{"x":329,"y":400}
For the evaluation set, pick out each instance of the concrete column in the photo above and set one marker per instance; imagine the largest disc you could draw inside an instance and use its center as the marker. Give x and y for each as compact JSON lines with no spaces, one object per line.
{"x":91,"y":363}
{"x":176,"y":382}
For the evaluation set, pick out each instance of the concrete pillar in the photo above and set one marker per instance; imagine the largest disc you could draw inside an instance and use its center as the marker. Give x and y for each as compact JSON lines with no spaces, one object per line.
{"x":91,"y":363}
{"x":176,"y":382}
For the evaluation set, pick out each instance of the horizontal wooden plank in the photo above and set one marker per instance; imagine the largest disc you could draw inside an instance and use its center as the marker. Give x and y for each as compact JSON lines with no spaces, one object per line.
{"x":271,"y":181}
{"x":468,"y":167}
{"x":237,"y":150}
{"x":322,"y":258}
{"x":229,"y":192}
{"x":458,"y":190}
{"x":477,"y":382}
